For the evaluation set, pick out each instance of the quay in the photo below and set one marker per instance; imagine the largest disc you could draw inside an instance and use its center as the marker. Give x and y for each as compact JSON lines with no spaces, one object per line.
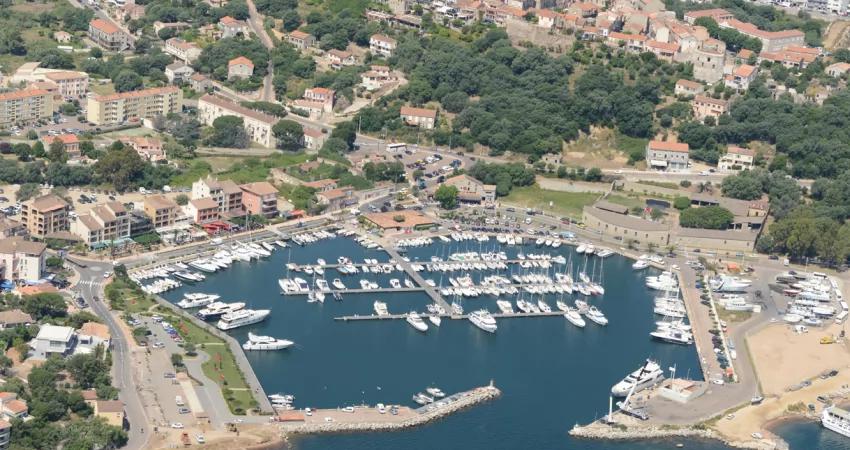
{"x":450,"y":316}
{"x":414,"y":275}
{"x":364,"y":291}
{"x":365,"y":418}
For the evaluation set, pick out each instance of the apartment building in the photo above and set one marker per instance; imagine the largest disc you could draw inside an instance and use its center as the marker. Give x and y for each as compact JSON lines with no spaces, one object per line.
{"x":109,"y":222}
{"x":161,"y":211}
{"x":420,"y":117}
{"x":667,"y":155}
{"x":771,"y":41}
{"x":134,"y":105}
{"x":202,"y":210}
{"x":45,"y":215}
{"x":226,"y":194}
{"x":258,"y":125}
{"x":25,"y":107}
{"x":382,"y":45}
{"x":182,"y":50}
{"x":736,"y":159}
{"x":21,"y":260}
{"x":108,"y":36}
{"x":72,"y":85}
{"x":260,"y":199}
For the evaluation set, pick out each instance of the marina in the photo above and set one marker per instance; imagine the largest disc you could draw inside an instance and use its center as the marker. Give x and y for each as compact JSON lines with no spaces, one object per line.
{"x":476,"y":355}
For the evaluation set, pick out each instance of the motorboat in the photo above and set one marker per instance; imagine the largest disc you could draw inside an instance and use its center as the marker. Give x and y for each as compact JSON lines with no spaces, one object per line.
{"x":435,"y":392}
{"x":197,"y":301}
{"x":241,"y":318}
{"x":673,"y":335}
{"x":265,"y":343}
{"x":322,"y":285}
{"x":217,"y":309}
{"x":338,"y":284}
{"x":574,"y":317}
{"x":422,"y":399}
{"x":505,"y":306}
{"x":596,"y":316}
{"x":647,"y":375}
{"x":640,"y":264}
{"x":395,"y":284}
{"x":484,"y":320}
{"x":415,"y":320}
{"x":523,"y":306}
{"x":561,"y":305}
{"x":457,"y":309}
{"x":435,"y":319}
{"x":380,"y":308}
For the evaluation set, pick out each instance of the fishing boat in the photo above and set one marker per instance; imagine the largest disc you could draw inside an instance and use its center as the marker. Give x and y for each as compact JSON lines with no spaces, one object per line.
{"x":265,"y":343}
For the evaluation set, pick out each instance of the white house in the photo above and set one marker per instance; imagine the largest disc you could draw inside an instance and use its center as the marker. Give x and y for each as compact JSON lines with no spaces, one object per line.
{"x":53,"y":340}
{"x":21,"y":260}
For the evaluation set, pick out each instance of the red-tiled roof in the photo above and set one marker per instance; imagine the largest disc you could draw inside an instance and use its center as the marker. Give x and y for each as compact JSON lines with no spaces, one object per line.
{"x":669,"y":146}
{"x":104,"y":26}
{"x":240,"y":60}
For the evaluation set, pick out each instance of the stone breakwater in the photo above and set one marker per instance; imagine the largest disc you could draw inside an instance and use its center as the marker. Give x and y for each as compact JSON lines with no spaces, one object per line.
{"x":602,"y":430}
{"x":422,"y":416}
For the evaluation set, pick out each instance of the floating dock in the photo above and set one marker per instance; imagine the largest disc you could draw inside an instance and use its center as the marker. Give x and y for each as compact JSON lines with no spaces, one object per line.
{"x":450,"y":316}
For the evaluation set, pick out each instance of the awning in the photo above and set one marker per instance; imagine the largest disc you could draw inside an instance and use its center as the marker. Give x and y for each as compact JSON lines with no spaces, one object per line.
{"x":655,"y":162}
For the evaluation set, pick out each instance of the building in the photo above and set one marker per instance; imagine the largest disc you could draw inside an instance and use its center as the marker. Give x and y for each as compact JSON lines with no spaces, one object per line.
{"x":708,"y":59}
{"x":838,"y":70}
{"x":325,"y":96}
{"x":108,"y":36}
{"x":736,"y":159}
{"x":837,"y":7}
{"x":665,"y":51}
{"x":470,"y":190}
{"x":200,"y":82}
{"x":187,"y":52}
{"x":400,"y":220}
{"x":148,"y":148}
{"x":688,"y":87}
{"x":11,"y":407}
{"x":22,"y":260}
{"x":260,"y":199}
{"x":313,"y":138}
{"x":231,"y":27}
{"x":376,"y":77}
{"x":14,"y":318}
{"x":323,"y":185}
{"x":226,"y":194}
{"x":258,"y":125}
{"x":792,"y":56}
{"x":53,"y":340}
{"x":705,"y":106}
{"x":240,"y":67}
{"x":5,"y":434}
{"x":311,"y":108}
{"x":340,"y":59}
{"x":336,"y":199}
{"x":161,"y":210}
{"x":71,"y":84}
{"x":140,"y":223}
{"x":90,"y":336}
{"x":614,"y":221}
{"x":45,"y":215}
{"x":202,"y":210}
{"x":62,"y":37}
{"x":133,"y":106}
{"x":721,"y":242}
{"x":70,"y":142}
{"x":178,"y":72}
{"x":25,"y":107}
{"x":718,"y":14}
{"x":301,"y":40}
{"x":741,"y":77}
{"x":105,"y":224}
{"x":419,"y":117}
{"x":110,"y":410}
{"x":382,"y":45}
{"x":771,"y":41}
{"x":11,"y":228}
{"x":667,"y":155}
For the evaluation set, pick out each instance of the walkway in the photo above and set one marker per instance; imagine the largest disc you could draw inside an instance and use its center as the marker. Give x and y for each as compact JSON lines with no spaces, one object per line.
{"x":414,"y":275}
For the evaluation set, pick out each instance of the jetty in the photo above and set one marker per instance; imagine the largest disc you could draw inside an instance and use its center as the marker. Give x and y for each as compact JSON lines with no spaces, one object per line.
{"x":624,"y":427}
{"x":414,"y":275}
{"x":367,"y":418}
{"x":450,"y":316}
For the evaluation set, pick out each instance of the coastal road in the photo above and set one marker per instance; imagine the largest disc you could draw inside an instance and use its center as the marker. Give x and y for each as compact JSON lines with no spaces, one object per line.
{"x":91,"y":289}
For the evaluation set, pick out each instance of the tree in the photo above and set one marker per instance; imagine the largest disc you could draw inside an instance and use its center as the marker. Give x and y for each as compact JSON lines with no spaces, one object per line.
{"x":346,"y":131}
{"x":289,"y":135}
{"x":746,"y":185}
{"x":446,"y":195}
{"x":182,"y":199}
{"x":681,"y":203}
{"x":121,"y":167}
{"x":711,"y":217}
{"x":54,"y":262}
{"x":127,"y":80}
{"x":47,"y":305}
{"x":57,"y":151}
{"x":229,"y":131}
{"x":28,"y":191}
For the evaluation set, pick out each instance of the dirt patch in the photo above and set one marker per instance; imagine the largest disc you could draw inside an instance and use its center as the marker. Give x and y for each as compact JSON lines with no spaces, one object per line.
{"x":248,"y":437}
{"x":597,"y":149}
{"x":836,"y":35}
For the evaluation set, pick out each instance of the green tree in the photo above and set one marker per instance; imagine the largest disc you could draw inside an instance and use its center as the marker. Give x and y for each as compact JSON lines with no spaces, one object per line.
{"x":47,"y":305}
{"x":711,"y":217}
{"x":127,"y":80}
{"x":121,"y":167}
{"x":681,"y":203}
{"x":28,"y":191}
{"x":447,"y":196}
{"x":182,"y":199}
{"x":289,"y":135}
{"x":229,"y":131}
{"x":57,"y":152}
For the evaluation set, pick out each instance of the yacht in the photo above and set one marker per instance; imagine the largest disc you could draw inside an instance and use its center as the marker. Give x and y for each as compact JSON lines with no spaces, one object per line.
{"x":725,"y":283}
{"x":409,"y":283}
{"x":505,"y":306}
{"x":196,"y":301}
{"x":523,"y":306}
{"x":544,"y":307}
{"x":836,"y":419}
{"x":241,"y":318}
{"x":422,"y":399}
{"x":380,"y":308}
{"x":640,"y":264}
{"x":646,"y":376}
{"x":416,"y":321}
{"x":581,"y":305}
{"x":581,"y":248}
{"x":322,"y":285}
{"x":436,"y":392}
{"x":301,"y":285}
{"x":673,"y":335}
{"x":457,"y":309}
{"x":265,"y":343}
{"x":338,"y":284}
{"x":596,"y":316}
{"x":395,"y":284}
{"x":574,"y":317}
{"x":435,"y":319}
{"x":217,"y":309}
{"x":267,"y":246}
{"x":484,"y":320}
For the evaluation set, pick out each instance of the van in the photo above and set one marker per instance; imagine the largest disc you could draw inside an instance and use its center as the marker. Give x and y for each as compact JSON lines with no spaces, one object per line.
{"x":841,"y":317}
{"x":179,"y":400}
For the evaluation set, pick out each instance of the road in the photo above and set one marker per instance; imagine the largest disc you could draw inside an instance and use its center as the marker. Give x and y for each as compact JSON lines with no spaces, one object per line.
{"x":255,"y":21}
{"x":91,"y":289}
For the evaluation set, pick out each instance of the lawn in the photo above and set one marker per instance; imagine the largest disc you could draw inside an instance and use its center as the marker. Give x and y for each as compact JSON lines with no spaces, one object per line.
{"x":563,"y":203}
{"x":628,"y":202}
{"x":102,"y":89}
{"x":127,"y":298}
{"x":253,"y":169}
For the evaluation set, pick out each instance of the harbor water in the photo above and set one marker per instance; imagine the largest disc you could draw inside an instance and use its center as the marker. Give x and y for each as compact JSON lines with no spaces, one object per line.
{"x":551,"y":373}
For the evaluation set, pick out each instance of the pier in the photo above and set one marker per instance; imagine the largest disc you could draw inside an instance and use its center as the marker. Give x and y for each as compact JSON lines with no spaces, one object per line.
{"x":414,"y":275}
{"x":366,"y":418}
{"x":364,"y":291}
{"x":451,"y":316}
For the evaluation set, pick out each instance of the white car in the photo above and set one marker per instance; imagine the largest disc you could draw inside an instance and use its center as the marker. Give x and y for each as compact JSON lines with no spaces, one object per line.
{"x":200,"y":438}
{"x":158,"y":344}
{"x":177,"y":426}
{"x":107,"y":274}
{"x":718,"y":382}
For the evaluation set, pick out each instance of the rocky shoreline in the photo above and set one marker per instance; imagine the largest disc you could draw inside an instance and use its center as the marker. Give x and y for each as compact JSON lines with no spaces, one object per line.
{"x":474,"y":397}
{"x":601,"y":430}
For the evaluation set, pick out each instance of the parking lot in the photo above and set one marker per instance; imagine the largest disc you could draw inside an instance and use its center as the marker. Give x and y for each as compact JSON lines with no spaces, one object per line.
{"x":435,"y":167}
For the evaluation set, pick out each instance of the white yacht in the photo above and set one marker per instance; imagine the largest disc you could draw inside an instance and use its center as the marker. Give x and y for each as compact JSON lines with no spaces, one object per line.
{"x":484,"y":320}
{"x":524,"y":306}
{"x":836,"y":419}
{"x":725,"y":283}
{"x":217,"y":309}
{"x":267,"y":246}
{"x":338,"y":284}
{"x":561,"y":305}
{"x":673,"y":335}
{"x":544,"y":307}
{"x":265,"y":343}
{"x":196,"y":301}
{"x":322,"y":285}
{"x":416,"y":321}
{"x":380,"y":308}
{"x":505,"y":306}
{"x":574,"y":317}
{"x":647,"y":375}
{"x":435,"y":319}
{"x":640,"y":264}
{"x":581,"y":248}
{"x":241,"y":318}
{"x":596,"y":316}
{"x":436,"y":392}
